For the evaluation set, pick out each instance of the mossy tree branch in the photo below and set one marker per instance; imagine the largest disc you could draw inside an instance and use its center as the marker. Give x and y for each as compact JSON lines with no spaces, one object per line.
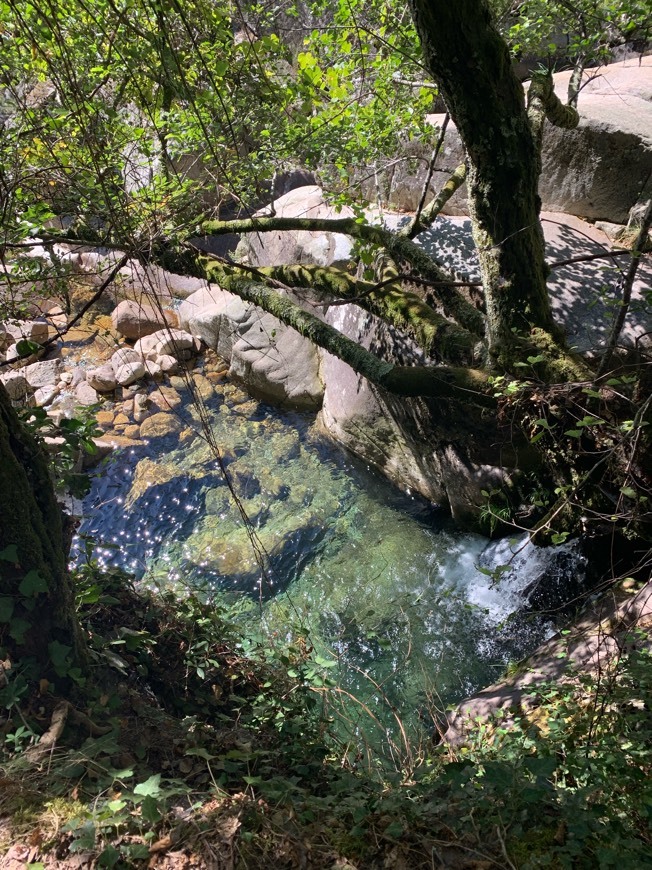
{"x":399,"y":248}
{"x":444,"y":382}
{"x":433,"y":209}
{"x":435,"y":335}
{"x":543,"y":102}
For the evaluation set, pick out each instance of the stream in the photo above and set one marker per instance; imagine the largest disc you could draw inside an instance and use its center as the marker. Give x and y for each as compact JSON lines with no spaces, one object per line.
{"x":377,"y":581}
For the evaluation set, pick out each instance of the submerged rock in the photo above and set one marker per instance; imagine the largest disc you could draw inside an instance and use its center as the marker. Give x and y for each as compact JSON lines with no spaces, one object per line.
{"x":147,"y":474}
{"x":159,"y":425}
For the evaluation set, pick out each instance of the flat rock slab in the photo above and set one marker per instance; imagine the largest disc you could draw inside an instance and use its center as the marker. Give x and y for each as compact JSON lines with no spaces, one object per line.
{"x":584,"y":295}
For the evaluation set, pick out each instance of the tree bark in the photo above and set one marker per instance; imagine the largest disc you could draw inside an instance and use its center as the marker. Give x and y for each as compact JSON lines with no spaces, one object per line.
{"x":36,"y":597}
{"x":471,"y":63}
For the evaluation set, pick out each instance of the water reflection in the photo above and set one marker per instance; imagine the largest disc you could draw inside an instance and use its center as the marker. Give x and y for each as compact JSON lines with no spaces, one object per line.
{"x":377,"y":580}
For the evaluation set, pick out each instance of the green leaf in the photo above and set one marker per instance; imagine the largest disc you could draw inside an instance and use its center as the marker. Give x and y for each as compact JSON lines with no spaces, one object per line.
{"x":59,"y":653}
{"x":150,"y":810}
{"x":573,"y":433}
{"x":116,"y":806}
{"x":151,"y":787}
{"x":628,"y":491}
{"x":6,"y":608}
{"x":201,"y":752}
{"x":18,"y":628}
{"x":394,"y":830}
{"x":26,"y":348}
{"x":108,"y":857}
{"x":10,"y":554}
{"x":32,"y":584}
{"x":138,"y":851}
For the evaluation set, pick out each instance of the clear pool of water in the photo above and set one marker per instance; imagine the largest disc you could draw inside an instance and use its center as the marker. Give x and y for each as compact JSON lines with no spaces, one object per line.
{"x":376,"y":580}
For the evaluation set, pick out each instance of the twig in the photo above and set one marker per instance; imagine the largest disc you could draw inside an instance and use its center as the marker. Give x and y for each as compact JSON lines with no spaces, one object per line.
{"x":413,"y":227}
{"x":103,"y":286}
{"x":586,"y":258}
{"x":628,"y":284}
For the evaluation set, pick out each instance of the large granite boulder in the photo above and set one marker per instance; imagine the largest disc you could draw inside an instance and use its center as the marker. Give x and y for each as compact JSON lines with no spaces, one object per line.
{"x":322,"y":249}
{"x":212,"y":314}
{"x":597,"y":171}
{"x":411,"y":441}
{"x":274,"y":362}
{"x":134,"y":319}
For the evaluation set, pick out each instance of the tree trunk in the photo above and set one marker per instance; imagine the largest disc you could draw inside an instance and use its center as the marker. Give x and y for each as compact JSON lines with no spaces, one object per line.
{"x":471,"y":63}
{"x":36,"y":598}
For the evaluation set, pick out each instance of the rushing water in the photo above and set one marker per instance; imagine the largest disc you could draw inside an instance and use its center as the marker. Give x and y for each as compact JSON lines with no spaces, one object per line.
{"x":376,"y":579}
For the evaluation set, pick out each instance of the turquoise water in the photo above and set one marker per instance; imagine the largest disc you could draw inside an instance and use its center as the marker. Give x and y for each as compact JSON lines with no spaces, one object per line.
{"x":378,"y":582}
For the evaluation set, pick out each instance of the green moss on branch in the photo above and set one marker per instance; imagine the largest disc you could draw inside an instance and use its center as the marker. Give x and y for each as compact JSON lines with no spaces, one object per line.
{"x":399,"y":248}
{"x":435,"y":335}
{"x":436,"y":381}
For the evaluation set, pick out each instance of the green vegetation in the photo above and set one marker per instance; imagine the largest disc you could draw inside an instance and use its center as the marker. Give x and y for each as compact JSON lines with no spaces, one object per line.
{"x":192,"y":742}
{"x":138,"y":729}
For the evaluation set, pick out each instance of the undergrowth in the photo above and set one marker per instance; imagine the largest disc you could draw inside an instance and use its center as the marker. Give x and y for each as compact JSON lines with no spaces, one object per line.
{"x":182,"y":750}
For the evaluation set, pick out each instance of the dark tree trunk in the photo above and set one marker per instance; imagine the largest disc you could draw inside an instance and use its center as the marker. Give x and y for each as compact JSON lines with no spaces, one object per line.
{"x":36,"y":598}
{"x":470,"y":61}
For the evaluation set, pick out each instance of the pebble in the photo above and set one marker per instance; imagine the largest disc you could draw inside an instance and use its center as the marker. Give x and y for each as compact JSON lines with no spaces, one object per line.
{"x":104,"y":419}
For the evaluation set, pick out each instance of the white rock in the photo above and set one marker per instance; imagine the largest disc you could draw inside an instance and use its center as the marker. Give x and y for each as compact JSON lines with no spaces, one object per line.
{"x":85,"y":394}
{"x":322,"y":249}
{"x":174,"y":342}
{"x":215,"y":318}
{"x":167,"y":363}
{"x":135,"y":319}
{"x":12,"y":355}
{"x":145,"y":347}
{"x":152,"y":367}
{"x":57,"y":316}
{"x":209,"y":295}
{"x":276,"y":363}
{"x":124,"y":355}
{"x":102,"y":379}
{"x":141,"y":407}
{"x":32,"y":330}
{"x":45,"y":395}
{"x":78,"y":377}
{"x":44,"y":373}
{"x":129,"y":372}
{"x":66,"y":377}
{"x":16,"y":385}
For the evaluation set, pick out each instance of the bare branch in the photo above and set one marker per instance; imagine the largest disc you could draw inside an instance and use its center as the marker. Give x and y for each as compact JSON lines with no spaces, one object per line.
{"x":628,"y":283}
